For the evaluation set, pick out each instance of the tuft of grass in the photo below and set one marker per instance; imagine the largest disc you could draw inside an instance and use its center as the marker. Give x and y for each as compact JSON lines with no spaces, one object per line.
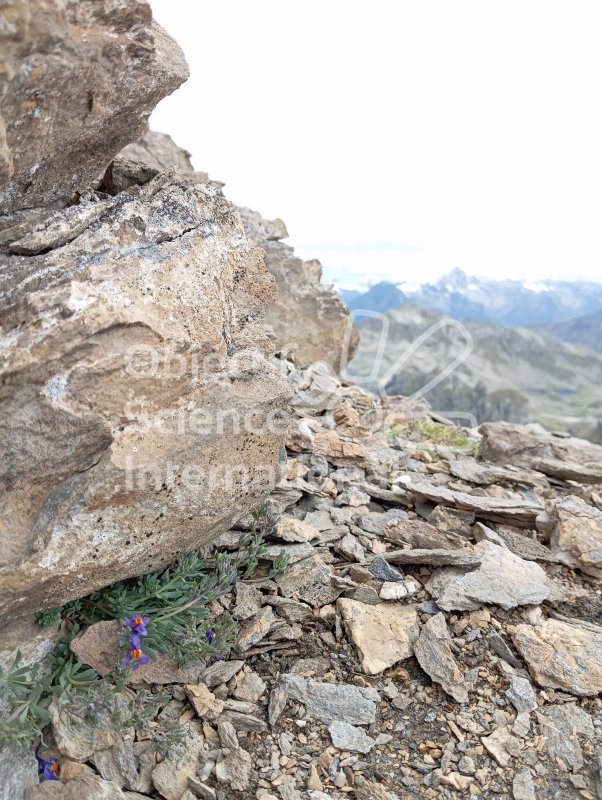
{"x":431,"y":432}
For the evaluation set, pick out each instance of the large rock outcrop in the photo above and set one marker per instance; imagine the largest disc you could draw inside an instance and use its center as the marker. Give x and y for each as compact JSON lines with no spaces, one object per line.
{"x":78,"y":80}
{"x":138,"y":410}
{"x":139,"y":413}
{"x":307,"y":320}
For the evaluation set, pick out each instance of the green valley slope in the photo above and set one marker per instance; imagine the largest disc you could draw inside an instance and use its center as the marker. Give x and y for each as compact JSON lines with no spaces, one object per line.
{"x":515,"y":374}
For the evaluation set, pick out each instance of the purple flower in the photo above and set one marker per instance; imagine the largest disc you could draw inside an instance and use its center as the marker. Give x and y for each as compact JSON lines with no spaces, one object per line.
{"x":137,"y":624}
{"x":210,"y":636}
{"x":135,"y":657}
{"x":47,"y":767}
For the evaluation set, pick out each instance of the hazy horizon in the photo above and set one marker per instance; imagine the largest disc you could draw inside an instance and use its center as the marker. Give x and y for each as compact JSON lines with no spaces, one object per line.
{"x":400,"y":141}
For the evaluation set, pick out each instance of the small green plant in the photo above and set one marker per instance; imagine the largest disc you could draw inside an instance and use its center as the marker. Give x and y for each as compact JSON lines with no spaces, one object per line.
{"x":162,"y":612}
{"x":431,"y":432}
{"x":27,"y":694}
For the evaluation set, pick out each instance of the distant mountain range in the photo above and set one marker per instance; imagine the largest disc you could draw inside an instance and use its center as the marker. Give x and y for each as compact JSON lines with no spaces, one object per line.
{"x":505,"y":302}
{"x":517,"y":374}
{"x":583,"y":330}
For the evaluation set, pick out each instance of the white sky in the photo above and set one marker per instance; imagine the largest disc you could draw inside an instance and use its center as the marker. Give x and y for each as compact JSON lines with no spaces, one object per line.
{"x":400,"y":138}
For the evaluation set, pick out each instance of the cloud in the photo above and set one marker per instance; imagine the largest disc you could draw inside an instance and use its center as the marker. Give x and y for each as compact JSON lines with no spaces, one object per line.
{"x":468,"y":130}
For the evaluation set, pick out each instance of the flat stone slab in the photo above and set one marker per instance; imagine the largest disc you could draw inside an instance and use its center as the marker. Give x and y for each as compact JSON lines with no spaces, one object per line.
{"x":347,"y":737}
{"x":502,"y":579}
{"x":435,"y":558}
{"x":531,"y":446}
{"x":517,"y":511}
{"x":562,"y":656}
{"x":383,"y":634}
{"x":330,"y":702}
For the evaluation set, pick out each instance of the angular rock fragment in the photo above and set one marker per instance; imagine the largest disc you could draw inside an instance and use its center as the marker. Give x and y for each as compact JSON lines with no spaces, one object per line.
{"x":501,"y":579}
{"x":483,"y":533}
{"x":248,"y":601}
{"x":521,"y":694}
{"x":456,"y":558}
{"x":452,"y":520}
{"x":576,"y":534}
{"x":423,"y":536}
{"x":221,"y":672}
{"x":561,"y":726}
{"x":502,"y":745}
{"x":486,"y":474}
{"x":290,"y":610}
{"x":18,"y":770}
{"x":291,"y":529}
{"x":523,"y":787}
{"x":376,"y":523}
{"x":368,"y":790}
{"x":433,"y":649}
{"x":311,"y":581}
{"x":329,"y":702}
{"x":383,"y":635}
{"x":562,"y":656}
{"x":381,"y":570}
{"x":249,"y":687}
{"x":289,"y":791}
{"x":204,"y":702}
{"x":339,"y":451}
{"x":255,"y":630}
{"x":397,"y":590}
{"x":98,"y":647}
{"x":350,"y":548}
{"x":500,"y":648}
{"x":347,"y":737}
{"x":88,"y":787}
{"x":108,"y":745}
{"x":308,"y":319}
{"x":234,"y":766}
{"x":158,"y":151}
{"x":524,"y":546}
{"x":170,"y":777}
{"x":369,"y":595}
{"x":292,"y":552}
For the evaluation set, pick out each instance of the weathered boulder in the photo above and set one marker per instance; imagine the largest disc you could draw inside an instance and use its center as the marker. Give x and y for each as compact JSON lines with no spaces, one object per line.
{"x":532,"y":447}
{"x":78,"y":81}
{"x":139,"y":415}
{"x":307,"y":319}
{"x":18,"y":770}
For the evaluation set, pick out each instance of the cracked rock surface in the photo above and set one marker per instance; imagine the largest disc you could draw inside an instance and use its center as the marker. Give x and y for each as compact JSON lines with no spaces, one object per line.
{"x":105,"y":341}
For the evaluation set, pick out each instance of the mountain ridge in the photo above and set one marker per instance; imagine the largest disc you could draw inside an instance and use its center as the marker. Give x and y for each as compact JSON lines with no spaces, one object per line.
{"x":505,"y":302}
